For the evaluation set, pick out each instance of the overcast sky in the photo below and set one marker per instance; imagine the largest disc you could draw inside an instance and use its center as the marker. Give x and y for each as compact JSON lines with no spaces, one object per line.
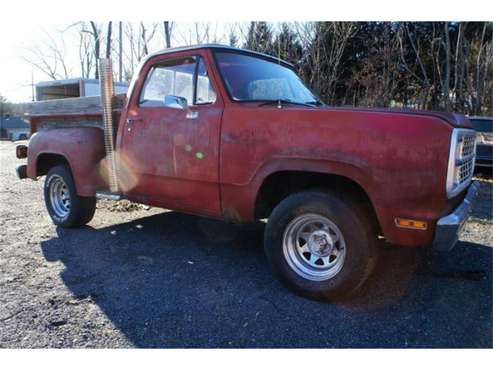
{"x":15,"y":75}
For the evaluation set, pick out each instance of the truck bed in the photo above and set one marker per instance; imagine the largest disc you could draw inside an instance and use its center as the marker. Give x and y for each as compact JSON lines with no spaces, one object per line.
{"x":86,"y":111}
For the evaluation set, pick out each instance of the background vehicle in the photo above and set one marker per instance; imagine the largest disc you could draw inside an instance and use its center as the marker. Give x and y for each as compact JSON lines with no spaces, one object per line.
{"x":484,"y":140}
{"x":13,"y":128}
{"x":234,"y":134}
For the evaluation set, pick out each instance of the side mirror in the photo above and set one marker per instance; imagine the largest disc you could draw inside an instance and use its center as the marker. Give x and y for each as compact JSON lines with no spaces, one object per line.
{"x":174,"y":101}
{"x":180,"y":102}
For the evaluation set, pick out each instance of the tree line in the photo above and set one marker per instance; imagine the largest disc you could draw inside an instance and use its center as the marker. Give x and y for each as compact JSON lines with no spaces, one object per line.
{"x":425,"y":65}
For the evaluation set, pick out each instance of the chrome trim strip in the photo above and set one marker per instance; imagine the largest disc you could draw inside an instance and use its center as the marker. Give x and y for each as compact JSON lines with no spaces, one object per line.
{"x":108,"y":195}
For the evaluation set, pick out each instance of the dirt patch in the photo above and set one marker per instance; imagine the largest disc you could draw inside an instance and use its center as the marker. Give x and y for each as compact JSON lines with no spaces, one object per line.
{"x":121,"y":206}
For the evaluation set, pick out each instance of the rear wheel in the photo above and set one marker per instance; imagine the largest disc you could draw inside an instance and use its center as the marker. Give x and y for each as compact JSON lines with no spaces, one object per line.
{"x":65,"y":207}
{"x":320,"y":244}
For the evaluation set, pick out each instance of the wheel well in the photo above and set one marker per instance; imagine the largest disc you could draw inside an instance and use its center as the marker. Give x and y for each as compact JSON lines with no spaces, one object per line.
{"x":279,"y":185}
{"x":46,"y":161}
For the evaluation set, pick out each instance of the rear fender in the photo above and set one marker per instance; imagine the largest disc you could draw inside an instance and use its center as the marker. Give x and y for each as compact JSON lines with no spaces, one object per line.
{"x":81,"y":147}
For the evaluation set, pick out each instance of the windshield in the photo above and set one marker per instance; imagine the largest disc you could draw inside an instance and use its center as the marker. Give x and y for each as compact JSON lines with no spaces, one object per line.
{"x":249,"y":78}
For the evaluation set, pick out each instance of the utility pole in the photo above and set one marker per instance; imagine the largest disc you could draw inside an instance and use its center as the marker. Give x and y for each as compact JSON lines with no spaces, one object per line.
{"x":32,"y":86}
{"x":108,"y":41}
{"x":167,"y":36}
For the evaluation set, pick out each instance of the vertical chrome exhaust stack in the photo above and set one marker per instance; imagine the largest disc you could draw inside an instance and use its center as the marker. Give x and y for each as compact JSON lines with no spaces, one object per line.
{"x":106,"y":87}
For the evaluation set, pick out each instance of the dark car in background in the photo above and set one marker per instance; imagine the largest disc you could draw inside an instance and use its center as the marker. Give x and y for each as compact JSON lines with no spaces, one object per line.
{"x":484,"y":140}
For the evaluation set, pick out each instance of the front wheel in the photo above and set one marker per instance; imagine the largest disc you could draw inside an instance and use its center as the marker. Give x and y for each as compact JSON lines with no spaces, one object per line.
{"x":320,"y":244}
{"x":65,"y":207}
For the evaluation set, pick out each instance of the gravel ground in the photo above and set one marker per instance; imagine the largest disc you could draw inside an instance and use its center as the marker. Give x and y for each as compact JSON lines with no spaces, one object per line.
{"x":144,"y":277}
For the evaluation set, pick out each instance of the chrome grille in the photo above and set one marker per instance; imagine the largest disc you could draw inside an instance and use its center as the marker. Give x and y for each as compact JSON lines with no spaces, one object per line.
{"x":467,"y":145}
{"x":465,"y":171}
{"x":461,"y":160}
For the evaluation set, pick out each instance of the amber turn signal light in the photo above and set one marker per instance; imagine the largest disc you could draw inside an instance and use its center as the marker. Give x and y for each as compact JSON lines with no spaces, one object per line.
{"x":411,"y":224}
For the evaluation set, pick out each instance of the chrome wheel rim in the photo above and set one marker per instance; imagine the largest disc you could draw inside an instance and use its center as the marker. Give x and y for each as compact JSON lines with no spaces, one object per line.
{"x":314,"y":247}
{"x":59,"y":196}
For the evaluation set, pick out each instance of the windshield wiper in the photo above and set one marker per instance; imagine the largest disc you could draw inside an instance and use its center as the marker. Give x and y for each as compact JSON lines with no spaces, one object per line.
{"x":283,"y":101}
{"x":317,"y":103}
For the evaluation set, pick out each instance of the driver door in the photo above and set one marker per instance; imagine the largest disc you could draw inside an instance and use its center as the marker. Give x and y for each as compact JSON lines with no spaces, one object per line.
{"x":170,"y":155}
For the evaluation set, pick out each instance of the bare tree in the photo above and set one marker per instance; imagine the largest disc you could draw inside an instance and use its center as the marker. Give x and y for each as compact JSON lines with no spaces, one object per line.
{"x":376,"y":80}
{"x":49,"y":57}
{"x":130,"y":54}
{"x":86,"y":52}
{"x":480,"y":85}
{"x":143,"y":32}
{"x":446,"y":81}
{"x":96,"y":34}
{"x":202,"y":32}
{"x":138,"y":43}
{"x":234,"y":34}
{"x":406,"y":37}
{"x":146,"y":35}
{"x":430,"y":65}
{"x":459,"y":64}
{"x":325,"y":43}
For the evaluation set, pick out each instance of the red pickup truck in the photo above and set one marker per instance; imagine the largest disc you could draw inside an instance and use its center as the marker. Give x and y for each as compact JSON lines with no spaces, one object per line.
{"x":235,"y":134}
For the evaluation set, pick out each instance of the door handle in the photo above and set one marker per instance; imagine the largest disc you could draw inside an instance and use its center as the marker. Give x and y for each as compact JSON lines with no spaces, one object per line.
{"x":131,"y":120}
{"x":192,"y":114}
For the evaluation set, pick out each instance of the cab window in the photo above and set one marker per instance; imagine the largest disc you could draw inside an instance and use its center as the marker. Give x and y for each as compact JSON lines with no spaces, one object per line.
{"x":186,"y":78}
{"x":169,"y":78}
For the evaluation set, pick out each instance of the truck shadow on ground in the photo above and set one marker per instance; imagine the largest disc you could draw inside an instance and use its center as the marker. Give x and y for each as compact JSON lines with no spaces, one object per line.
{"x":172,"y":280}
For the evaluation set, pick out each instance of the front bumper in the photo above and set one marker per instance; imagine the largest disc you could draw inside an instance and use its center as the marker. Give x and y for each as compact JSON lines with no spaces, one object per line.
{"x":21,"y":171}
{"x":448,"y":227}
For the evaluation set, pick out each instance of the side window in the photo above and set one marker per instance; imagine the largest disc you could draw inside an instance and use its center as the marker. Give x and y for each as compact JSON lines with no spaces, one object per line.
{"x":169,"y":79}
{"x":205,"y":92}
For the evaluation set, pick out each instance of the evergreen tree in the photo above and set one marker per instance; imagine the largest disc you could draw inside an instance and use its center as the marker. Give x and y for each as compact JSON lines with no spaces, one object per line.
{"x":287,"y":46}
{"x":5,"y":111}
{"x":259,"y":38}
{"x":233,"y":39}
{"x":5,"y":106}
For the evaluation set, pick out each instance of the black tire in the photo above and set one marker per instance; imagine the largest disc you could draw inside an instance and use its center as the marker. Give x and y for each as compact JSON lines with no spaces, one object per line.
{"x":358,"y":236}
{"x":80,"y":210}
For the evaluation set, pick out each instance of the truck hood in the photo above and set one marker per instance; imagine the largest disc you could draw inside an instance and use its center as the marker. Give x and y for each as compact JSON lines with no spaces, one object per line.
{"x":454,"y":119}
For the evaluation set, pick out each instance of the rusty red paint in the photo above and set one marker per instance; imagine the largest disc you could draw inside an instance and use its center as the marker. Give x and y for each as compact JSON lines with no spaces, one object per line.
{"x":83,"y":149}
{"x":398,"y":157}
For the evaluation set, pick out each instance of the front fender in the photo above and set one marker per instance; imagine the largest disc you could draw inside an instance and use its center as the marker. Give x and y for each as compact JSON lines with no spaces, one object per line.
{"x":350,"y":168}
{"x":239,"y":199}
{"x":81,"y":147}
